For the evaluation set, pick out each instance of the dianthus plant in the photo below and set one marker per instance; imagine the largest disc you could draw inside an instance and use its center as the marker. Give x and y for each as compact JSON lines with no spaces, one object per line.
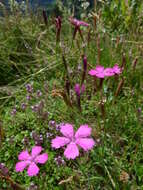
{"x":73,"y":141}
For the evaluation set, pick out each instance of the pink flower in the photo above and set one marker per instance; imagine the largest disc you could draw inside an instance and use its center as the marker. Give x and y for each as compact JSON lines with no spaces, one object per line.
{"x":77,"y":23}
{"x":117,"y":70}
{"x":108,"y":72}
{"x":101,"y":72}
{"x":80,"y":138}
{"x":31,"y":161}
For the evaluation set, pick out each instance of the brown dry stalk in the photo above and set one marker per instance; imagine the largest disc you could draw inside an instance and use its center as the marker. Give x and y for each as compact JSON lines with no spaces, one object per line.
{"x":120,"y":85}
{"x":63,"y":95}
{"x":98,"y":49}
{"x":14,"y":185}
{"x":102,"y":107}
{"x":95,"y":21}
{"x":123,"y":61}
{"x":135,"y":63}
{"x":66,"y":180}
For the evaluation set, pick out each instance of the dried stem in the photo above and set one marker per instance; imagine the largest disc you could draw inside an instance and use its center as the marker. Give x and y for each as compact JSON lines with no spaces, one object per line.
{"x":45,"y":17}
{"x":120,"y":85}
{"x":98,"y":49}
{"x":123,"y":61}
{"x":81,"y":34}
{"x":135,"y":63}
{"x":66,"y":68}
{"x":13,"y":184}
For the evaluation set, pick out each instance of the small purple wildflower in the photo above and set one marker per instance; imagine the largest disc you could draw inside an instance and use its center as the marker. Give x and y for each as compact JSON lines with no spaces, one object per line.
{"x":39,"y":141}
{"x":139,"y":110}
{"x":23,"y":106}
{"x":52,"y":123}
{"x":34,"y":108}
{"x":58,"y":126}
{"x":33,"y":187}
{"x":4,"y":169}
{"x":48,"y":135}
{"x":13,"y":112}
{"x":25,"y":141}
{"x":59,"y":161}
{"x":29,"y":88}
{"x":39,"y":93}
{"x":28,"y":97}
{"x":37,"y":138}
{"x":79,"y":67}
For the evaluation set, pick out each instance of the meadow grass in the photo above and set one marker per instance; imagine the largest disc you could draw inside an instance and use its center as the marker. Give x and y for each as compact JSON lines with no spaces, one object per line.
{"x":30,"y":54}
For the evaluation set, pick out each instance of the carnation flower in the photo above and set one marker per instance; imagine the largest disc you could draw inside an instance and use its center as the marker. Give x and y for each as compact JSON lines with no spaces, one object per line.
{"x":101,"y":72}
{"x":77,"y":24}
{"x":31,"y":161}
{"x":80,"y":138}
{"x":117,"y":70}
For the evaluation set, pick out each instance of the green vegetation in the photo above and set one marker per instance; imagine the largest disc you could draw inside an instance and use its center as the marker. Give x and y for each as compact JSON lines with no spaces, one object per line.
{"x":30,"y":54}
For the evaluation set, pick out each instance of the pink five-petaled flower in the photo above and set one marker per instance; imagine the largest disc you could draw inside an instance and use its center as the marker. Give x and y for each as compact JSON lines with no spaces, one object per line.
{"x":77,"y":23}
{"x":117,"y":70}
{"x":31,"y":161}
{"x":80,"y":138}
{"x":101,"y":72}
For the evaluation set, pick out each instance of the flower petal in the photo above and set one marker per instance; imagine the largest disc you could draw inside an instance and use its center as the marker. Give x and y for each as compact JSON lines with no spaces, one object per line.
{"x":41,"y":158}
{"x":24,"y":155}
{"x":108,"y":72}
{"x":99,"y":71}
{"x":20,"y":166}
{"x":117,"y":69}
{"x":99,"y":68}
{"x":71,"y":152}
{"x":82,"y":23}
{"x":36,"y":150}
{"x":92,"y":72}
{"x":83,"y":131}
{"x":85,"y":143}
{"x":67,"y":130}
{"x":60,"y":142}
{"x":32,"y":169}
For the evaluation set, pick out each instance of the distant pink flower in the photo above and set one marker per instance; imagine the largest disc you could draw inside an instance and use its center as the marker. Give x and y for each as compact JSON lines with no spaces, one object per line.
{"x":101,"y":72}
{"x":31,"y":161}
{"x":80,"y":138}
{"x":77,"y":23}
{"x":108,"y":72}
{"x":117,"y":70}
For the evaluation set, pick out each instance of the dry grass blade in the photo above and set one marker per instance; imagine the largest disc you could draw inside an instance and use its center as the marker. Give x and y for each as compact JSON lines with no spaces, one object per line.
{"x":66,"y":180}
